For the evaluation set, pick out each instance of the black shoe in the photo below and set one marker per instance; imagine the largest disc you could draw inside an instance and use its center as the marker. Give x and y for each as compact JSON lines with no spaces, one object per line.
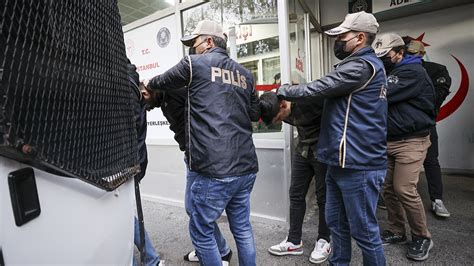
{"x":419,"y":248}
{"x":192,"y":257}
{"x":228,"y":256}
{"x":391,"y":238}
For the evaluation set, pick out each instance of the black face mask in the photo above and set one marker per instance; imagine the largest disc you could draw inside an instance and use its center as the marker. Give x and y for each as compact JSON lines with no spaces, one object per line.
{"x":339,"y":50}
{"x":387,"y":63}
{"x":192,"y":49}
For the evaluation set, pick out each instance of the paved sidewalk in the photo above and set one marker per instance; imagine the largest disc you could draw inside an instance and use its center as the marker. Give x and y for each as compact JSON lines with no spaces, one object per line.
{"x":453,"y":237}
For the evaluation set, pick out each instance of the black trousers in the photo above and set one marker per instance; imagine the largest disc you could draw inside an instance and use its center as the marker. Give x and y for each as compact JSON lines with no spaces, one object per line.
{"x":303,"y":171}
{"x":432,"y":168}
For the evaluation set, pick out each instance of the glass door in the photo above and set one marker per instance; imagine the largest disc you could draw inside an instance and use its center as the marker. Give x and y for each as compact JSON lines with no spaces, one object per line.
{"x":300,"y":51}
{"x":299,"y":43}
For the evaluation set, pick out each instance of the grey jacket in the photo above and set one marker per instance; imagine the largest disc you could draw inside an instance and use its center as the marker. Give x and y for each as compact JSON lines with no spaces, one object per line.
{"x":221,"y":104}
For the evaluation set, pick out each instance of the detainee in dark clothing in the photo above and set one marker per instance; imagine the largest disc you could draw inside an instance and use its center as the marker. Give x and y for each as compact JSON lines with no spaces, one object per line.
{"x":441,"y":80}
{"x":411,"y":114}
{"x":151,"y":256}
{"x":220,"y":153}
{"x":352,"y":141}
{"x":307,"y":120}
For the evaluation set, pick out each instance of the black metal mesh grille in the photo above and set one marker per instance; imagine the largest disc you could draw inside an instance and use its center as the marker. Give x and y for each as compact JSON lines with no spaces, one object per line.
{"x":65,"y":101}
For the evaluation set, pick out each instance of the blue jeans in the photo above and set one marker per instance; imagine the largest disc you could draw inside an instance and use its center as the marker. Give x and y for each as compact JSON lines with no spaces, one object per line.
{"x":351,"y":203}
{"x":224,"y":249}
{"x":151,"y":257}
{"x":208,"y":198}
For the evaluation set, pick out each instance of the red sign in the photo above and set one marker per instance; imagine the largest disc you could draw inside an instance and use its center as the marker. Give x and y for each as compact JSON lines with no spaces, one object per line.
{"x":451,"y":106}
{"x":266,"y":87}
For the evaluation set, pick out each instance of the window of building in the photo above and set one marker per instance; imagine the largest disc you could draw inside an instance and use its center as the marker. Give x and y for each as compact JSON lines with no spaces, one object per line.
{"x":271,"y":70}
{"x":255,"y":24}
{"x":252,"y":66}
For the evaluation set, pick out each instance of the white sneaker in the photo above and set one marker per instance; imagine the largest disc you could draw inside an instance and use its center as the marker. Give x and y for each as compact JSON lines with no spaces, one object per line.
{"x":286,"y":248}
{"x":321,"y":251}
{"x":439,"y":209}
{"x":191,"y":256}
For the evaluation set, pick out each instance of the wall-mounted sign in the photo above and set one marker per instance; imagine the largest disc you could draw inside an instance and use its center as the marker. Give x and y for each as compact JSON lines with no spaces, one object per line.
{"x":360,"y":5}
{"x":375,"y":6}
{"x":163,"y":37}
{"x":154,"y":48}
{"x":384,"y":5}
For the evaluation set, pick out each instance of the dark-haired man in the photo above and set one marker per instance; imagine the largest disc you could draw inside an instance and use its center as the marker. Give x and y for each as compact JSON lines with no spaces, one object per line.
{"x":352,"y":141}
{"x":220,"y":153}
{"x":304,"y":167}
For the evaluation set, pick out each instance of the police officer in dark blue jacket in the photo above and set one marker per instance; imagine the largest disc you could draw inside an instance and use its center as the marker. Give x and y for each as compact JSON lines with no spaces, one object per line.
{"x":352,"y":141}
{"x":220,"y":153}
{"x":172,"y":105}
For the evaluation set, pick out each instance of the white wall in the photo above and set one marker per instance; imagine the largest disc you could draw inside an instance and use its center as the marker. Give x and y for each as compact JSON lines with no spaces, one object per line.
{"x":165,"y":179}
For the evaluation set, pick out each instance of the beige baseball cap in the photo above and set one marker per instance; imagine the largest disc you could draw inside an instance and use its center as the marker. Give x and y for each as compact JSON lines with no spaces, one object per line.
{"x":384,"y":43}
{"x":360,"y":21}
{"x":415,"y":47}
{"x":204,"y":27}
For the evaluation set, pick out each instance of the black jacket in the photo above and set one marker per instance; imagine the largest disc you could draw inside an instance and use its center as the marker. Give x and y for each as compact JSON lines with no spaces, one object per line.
{"x":307,"y":120}
{"x":411,"y":100}
{"x":140,"y":118}
{"x":221,"y":104}
{"x":173,"y":106}
{"x":441,"y":80}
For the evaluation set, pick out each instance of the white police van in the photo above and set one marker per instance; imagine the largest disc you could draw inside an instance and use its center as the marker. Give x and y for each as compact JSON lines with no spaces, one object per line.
{"x":51,"y":219}
{"x":68,"y":141}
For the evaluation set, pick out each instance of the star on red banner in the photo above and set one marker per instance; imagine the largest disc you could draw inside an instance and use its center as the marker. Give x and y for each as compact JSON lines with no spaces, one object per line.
{"x":420,"y":38}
